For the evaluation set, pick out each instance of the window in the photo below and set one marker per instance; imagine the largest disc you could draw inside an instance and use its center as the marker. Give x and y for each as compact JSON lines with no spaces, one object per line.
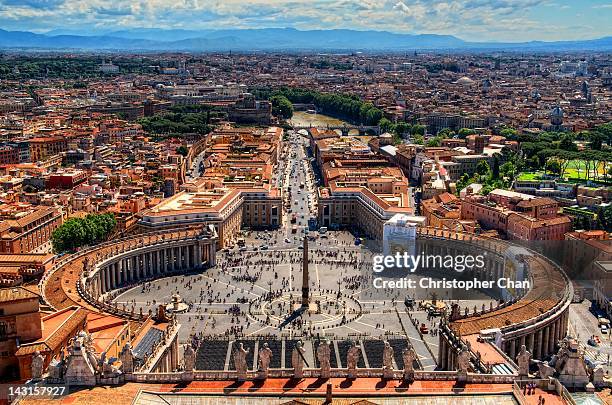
{"x":3,"y":331}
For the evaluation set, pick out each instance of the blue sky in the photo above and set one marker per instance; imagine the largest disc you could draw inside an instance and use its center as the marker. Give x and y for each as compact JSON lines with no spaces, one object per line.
{"x":478,"y":20}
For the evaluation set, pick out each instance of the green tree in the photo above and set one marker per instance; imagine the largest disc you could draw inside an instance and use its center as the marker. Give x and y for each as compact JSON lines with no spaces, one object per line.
{"x":509,"y":133}
{"x":605,"y":218}
{"x":464,"y":132}
{"x":553,"y":166}
{"x":463,"y":182}
{"x":606,"y":130}
{"x":482,"y":168}
{"x":182,"y":150}
{"x":436,"y":141}
{"x":596,"y":140}
{"x":495,"y":169}
{"x":386,"y":125}
{"x":402,"y":128}
{"x":77,"y":232}
{"x":418,"y":129}
{"x":567,"y":143}
{"x":281,"y":106}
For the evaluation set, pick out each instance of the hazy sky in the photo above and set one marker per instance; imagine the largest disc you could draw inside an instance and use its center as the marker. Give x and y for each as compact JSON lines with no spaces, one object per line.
{"x":483,"y":20}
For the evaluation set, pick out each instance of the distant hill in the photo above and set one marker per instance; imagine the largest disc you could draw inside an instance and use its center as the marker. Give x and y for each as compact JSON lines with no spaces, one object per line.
{"x":151,"y":39}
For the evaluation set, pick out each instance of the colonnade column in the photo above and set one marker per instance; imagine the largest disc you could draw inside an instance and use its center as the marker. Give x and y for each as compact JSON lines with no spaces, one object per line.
{"x":551,"y":337}
{"x":211,"y":254}
{"x":198,"y":255}
{"x":538,"y":345}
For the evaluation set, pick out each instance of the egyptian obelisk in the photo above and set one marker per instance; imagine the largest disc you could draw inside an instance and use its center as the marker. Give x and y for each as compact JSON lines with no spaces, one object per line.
{"x":305,"y":281}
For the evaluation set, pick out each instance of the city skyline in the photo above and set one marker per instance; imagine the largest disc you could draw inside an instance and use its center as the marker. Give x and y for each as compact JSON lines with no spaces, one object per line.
{"x":477,"y":21}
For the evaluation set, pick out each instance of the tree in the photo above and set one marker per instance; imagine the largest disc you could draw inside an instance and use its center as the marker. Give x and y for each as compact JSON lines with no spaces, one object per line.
{"x":606,"y":130}
{"x":77,"y":232}
{"x":446,"y":133}
{"x":386,"y":125}
{"x":495,"y":169}
{"x":418,"y":129}
{"x":434,"y":142}
{"x":464,"y":132}
{"x":605,"y":218}
{"x":596,"y":140}
{"x":567,"y":143}
{"x":402,"y":128}
{"x":482,"y":168}
{"x":281,"y":106}
{"x":463,"y":182}
{"x":553,"y":166}
{"x":509,"y":133}
{"x":182,"y":150}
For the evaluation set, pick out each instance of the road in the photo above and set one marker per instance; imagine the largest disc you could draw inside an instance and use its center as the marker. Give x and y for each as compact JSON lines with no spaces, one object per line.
{"x":194,"y":171}
{"x":298,"y":200}
{"x":583,"y":324}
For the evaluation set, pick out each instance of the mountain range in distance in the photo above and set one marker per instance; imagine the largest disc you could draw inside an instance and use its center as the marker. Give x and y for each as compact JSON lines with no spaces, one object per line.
{"x":271,"y":39}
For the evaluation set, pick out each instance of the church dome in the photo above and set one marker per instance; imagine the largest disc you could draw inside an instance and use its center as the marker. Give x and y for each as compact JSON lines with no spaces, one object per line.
{"x":465,"y":81}
{"x":557,"y":112}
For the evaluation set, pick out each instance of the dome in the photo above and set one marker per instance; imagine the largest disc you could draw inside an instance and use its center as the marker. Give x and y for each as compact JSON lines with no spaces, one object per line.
{"x":465,"y":81}
{"x":557,"y":112}
{"x":556,"y":116}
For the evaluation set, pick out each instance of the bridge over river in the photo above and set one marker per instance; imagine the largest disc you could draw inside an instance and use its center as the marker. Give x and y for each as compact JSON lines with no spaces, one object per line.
{"x":345,"y":129}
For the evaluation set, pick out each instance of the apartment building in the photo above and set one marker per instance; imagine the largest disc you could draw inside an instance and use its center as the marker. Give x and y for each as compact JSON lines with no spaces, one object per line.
{"x":24,"y":231}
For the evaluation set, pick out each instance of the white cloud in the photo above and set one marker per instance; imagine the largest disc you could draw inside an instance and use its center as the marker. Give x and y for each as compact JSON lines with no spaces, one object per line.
{"x":470,"y":19}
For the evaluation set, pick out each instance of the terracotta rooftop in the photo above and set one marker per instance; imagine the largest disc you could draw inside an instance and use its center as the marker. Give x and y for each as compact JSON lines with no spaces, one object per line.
{"x":16,"y":294}
{"x":547,"y":289}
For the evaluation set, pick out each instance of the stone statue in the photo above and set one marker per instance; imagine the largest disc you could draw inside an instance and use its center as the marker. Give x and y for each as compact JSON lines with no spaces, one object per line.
{"x":598,"y":376}
{"x":86,"y":266}
{"x":387,"y":356}
{"x":544,"y":369}
{"x":240,"y":362}
{"x":409,"y":355}
{"x":189,"y":358}
{"x":56,"y":370}
{"x":523,"y":361}
{"x":463,"y":361}
{"x":264,"y":358}
{"x":297,"y":360}
{"x":323,"y":355}
{"x":387,"y":361}
{"x":106,"y":367}
{"x":38,"y":365}
{"x":352,"y":358}
{"x":92,"y":356}
{"x":127,"y":359}
{"x":100,"y":362}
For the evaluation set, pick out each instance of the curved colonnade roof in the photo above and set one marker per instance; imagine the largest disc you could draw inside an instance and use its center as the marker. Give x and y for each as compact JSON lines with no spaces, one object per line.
{"x":60,"y":287}
{"x":548,"y":288}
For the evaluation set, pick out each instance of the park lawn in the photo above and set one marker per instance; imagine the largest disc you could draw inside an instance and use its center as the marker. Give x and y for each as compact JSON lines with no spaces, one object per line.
{"x":527,"y":176}
{"x":577,"y":170}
